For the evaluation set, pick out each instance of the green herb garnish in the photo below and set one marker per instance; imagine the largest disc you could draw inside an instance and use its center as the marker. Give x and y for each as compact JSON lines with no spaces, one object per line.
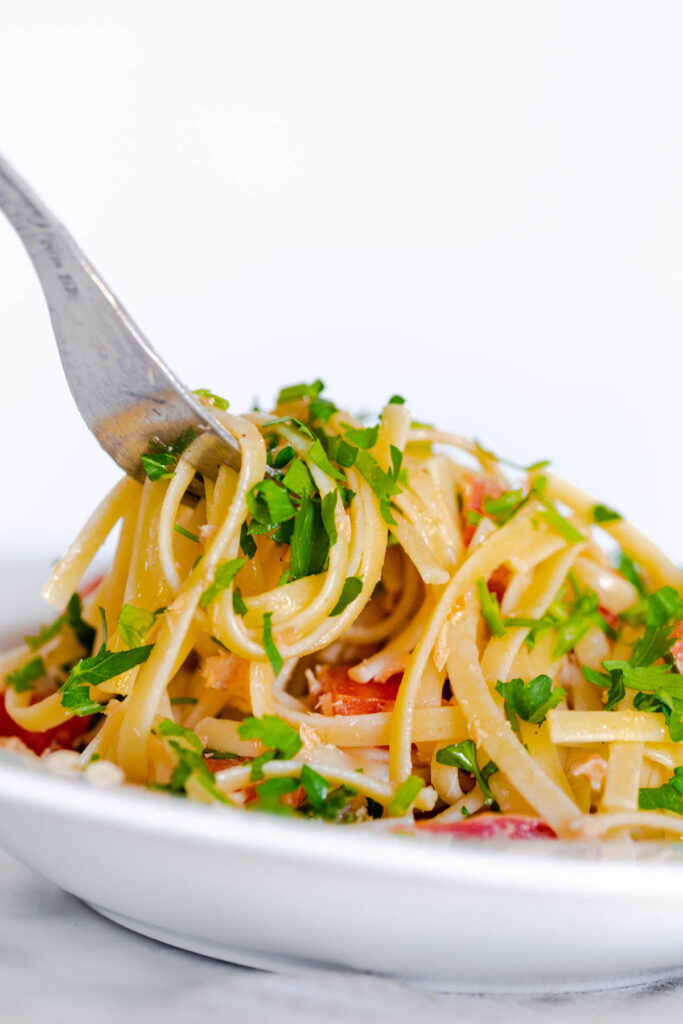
{"x":464,"y":756}
{"x":530,"y":701}
{"x":25,"y":678}
{"x":134,"y":625}
{"x":225,"y":574}
{"x":404,"y":797}
{"x":274,"y":656}
{"x":490,"y":609}
{"x":350,"y":591}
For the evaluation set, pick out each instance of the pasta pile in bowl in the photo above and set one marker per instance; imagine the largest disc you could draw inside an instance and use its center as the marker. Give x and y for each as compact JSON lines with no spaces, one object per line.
{"x":364,"y":623}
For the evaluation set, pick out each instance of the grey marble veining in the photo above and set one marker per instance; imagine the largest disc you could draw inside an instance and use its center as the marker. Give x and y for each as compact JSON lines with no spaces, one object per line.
{"x":60,"y":963}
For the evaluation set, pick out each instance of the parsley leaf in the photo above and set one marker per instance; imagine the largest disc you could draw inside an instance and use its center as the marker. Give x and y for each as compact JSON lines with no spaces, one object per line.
{"x":530,"y":701}
{"x":247,"y":542}
{"x":25,"y":678}
{"x":405,"y":795}
{"x":464,"y":756}
{"x":238,"y":604}
{"x":216,"y":400}
{"x":322,"y":409}
{"x":350,"y":591}
{"x":297,"y":391}
{"x":225,"y":574}
{"x":186,"y":533}
{"x":381,"y":483}
{"x":504,"y":508}
{"x":270,"y":504}
{"x":298,"y":480}
{"x":490,"y":609}
{"x":362,"y":437}
{"x":269,"y":795}
{"x":190,"y":762}
{"x":273,"y":732}
{"x":318,"y":456}
{"x":325,"y":800}
{"x":160,"y":459}
{"x":560,"y":524}
{"x":280,"y":458}
{"x":327,"y":511}
{"x":602,"y":514}
{"x":396,"y":400}
{"x":628,"y":569}
{"x":73,"y":616}
{"x":274,"y":656}
{"x":158,"y":465}
{"x":88,"y":672}
{"x":668,"y":797}
{"x":134,"y":624}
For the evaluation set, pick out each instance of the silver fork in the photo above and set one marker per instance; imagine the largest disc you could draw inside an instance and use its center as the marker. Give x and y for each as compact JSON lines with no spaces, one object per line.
{"x":124,"y":391}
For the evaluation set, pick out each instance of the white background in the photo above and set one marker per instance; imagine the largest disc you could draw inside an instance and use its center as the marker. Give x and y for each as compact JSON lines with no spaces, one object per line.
{"x":479,"y":205}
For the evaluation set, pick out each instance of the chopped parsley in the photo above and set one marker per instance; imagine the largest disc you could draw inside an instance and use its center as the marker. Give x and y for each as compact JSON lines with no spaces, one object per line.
{"x":280,"y":458}
{"x":269,"y":504}
{"x":297,"y":391}
{"x":350,"y":591}
{"x":247,"y":542}
{"x":190,"y":762}
{"x":216,"y":400}
{"x":224,"y":575}
{"x":660,"y":686}
{"x":322,"y":409}
{"x":186,"y":533}
{"x":362,"y":437}
{"x":602,"y":514}
{"x":134,"y":624}
{"x":560,"y":524}
{"x":396,"y":400}
{"x":274,"y":656}
{"x":629,"y":570}
{"x":273,"y":732}
{"x":73,"y":616}
{"x":530,"y":701}
{"x":490,"y":609}
{"x":504,"y":508}
{"x":404,"y":797}
{"x":298,"y":480}
{"x":668,"y":797}
{"x":325,"y":800}
{"x":238,"y":604}
{"x":25,"y":678}
{"x":75,"y":692}
{"x":160,"y":461}
{"x":269,"y":795}
{"x":464,"y":756}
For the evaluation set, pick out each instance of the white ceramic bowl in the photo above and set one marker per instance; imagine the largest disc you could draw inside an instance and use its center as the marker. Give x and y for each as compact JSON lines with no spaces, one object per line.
{"x":269,"y":892}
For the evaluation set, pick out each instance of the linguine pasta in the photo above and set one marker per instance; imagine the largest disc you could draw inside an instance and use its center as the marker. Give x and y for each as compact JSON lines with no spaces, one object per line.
{"x":364,"y":623}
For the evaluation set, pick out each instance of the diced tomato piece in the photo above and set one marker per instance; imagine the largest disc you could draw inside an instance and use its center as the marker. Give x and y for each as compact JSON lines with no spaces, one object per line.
{"x":677,"y":649}
{"x":61,"y":737}
{"x":477,"y":489}
{"x":491,"y":826}
{"x":341,"y":695}
{"x":610,"y":618}
{"x":498,"y":581}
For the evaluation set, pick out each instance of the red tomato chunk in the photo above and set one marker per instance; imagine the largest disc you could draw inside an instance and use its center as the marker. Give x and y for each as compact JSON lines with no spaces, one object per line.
{"x":340,"y":695}
{"x":492,"y":826}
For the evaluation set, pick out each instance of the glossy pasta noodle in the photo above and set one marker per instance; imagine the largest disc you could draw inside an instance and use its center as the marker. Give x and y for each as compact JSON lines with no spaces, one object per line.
{"x":370,"y":624}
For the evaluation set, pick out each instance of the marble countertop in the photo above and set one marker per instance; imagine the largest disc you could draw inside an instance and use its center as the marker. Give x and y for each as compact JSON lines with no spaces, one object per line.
{"x":61,"y":962}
